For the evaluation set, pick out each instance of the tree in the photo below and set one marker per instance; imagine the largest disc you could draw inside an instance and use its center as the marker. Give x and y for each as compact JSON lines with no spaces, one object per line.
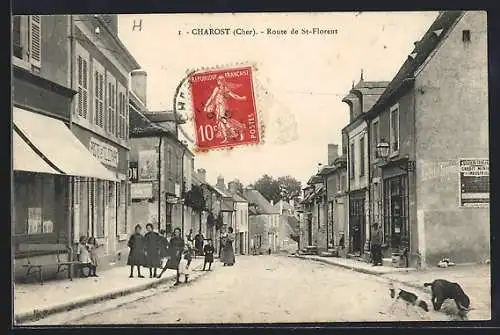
{"x":290,"y":187}
{"x":285,"y":187}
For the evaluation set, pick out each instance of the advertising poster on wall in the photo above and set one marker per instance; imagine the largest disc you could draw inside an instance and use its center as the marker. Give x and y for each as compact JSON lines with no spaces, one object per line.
{"x":34,"y":220}
{"x":147,"y":165}
{"x":474,"y":183}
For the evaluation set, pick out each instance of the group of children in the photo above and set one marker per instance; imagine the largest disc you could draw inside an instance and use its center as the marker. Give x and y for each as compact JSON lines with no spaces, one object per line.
{"x":87,"y":256}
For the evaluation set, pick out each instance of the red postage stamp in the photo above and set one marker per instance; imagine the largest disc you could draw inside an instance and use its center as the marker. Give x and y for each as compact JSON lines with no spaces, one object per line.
{"x":224,"y":108}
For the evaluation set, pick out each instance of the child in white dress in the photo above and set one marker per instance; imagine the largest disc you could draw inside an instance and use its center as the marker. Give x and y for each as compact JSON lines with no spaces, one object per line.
{"x":184,"y":266}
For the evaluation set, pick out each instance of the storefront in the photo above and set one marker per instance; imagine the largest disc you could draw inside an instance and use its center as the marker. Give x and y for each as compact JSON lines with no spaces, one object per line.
{"x":396,"y":211}
{"x":100,"y":206}
{"x":357,"y":222}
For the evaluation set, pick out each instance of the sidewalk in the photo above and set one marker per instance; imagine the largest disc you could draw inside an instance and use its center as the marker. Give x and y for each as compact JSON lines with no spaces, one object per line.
{"x":33,"y":301}
{"x":475,"y":280}
{"x":355,"y":265}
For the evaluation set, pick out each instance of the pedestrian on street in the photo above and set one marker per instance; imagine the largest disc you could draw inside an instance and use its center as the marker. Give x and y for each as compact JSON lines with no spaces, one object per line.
{"x":92,"y":245}
{"x":152,"y":241}
{"x":175,"y":249}
{"x":163,"y":247}
{"x":376,"y":245}
{"x":208,"y":250}
{"x":190,"y":235}
{"x":136,"y":255}
{"x":198,"y":243}
{"x":227,"y":255}
{"x":189,"y":251}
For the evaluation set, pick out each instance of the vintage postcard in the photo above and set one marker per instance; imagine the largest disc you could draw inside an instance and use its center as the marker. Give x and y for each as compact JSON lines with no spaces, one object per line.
{"x":250,"y":168}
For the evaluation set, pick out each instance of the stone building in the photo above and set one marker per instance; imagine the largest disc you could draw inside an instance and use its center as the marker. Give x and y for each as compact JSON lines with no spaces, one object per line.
{"x":430,"y":147}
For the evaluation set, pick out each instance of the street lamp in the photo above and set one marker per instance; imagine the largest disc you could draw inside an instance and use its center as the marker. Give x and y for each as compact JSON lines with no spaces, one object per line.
{"x":382,"y":152}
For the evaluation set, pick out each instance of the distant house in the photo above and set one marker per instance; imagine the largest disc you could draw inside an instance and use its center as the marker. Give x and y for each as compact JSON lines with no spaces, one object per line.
{"x":263,"y":221}
{"x":288,"y":231}
{"x":241,"y":245}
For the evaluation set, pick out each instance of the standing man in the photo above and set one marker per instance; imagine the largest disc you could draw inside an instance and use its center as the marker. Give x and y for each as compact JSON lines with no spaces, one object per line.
{"x":198,"y":243}
{"x":376,"y":245}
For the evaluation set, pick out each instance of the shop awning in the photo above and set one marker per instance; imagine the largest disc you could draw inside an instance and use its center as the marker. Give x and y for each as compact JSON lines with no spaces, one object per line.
{"x":58,"y":144}
{"x":25,"y":159}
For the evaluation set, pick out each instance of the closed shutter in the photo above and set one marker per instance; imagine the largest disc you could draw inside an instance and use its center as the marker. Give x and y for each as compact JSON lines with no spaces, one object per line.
{"x":35,"y":40}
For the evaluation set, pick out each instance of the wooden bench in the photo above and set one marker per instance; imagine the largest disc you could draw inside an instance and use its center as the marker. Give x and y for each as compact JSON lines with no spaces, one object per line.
{"x":30,"y":250}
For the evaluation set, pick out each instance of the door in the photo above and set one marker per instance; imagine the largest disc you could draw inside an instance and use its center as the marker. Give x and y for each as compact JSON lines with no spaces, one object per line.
{"x":309,"y":230}
{"x":396,"y":212}
{"x":241,"y":243}
{"x":356,"y":224}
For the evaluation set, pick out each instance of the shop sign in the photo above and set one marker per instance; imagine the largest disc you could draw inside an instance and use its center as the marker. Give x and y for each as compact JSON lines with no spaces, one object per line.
{"x":104,"y":152}
{"x":133,"y":172}
{"x":141,"y":190}
{"x":474,"y":183}
{"x":147,"y":165}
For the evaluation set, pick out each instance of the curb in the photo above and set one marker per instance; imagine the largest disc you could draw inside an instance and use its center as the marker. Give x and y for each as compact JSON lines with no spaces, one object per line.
{"x":38,"y":314}
{"x":345,"y":266}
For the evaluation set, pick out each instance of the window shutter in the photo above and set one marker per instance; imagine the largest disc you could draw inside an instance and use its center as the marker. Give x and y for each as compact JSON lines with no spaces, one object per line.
{"x":35,"y":43}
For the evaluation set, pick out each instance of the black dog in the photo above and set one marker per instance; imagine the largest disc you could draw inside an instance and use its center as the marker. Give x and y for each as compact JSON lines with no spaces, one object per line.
{"x":443,"y":289}
{"x":408,"y":297}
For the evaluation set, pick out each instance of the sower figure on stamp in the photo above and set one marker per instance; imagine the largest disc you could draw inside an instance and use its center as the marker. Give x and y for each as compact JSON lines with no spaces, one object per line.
{"x":217,"y":104}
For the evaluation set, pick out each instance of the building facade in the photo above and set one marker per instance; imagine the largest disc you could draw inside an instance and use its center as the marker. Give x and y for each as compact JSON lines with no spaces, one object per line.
{"x":427,"y":192}
{"x":241,"y":244}
{"x":360,"y":99}
{"x":47,"y":156}
{"x":263,"y":222}
{"x":100,"y":120}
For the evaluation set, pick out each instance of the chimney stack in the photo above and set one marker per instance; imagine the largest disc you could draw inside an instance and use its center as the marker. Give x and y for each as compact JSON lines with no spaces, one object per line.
{"x":233,"y":187}
{"x":202,"y":175}
{"x":138,"y":84}
{"x":220,"y":183}
{"x":333,"y":153}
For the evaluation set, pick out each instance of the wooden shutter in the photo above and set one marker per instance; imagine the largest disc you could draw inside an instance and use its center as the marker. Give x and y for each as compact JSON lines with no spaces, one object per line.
{"x":35,"y":40}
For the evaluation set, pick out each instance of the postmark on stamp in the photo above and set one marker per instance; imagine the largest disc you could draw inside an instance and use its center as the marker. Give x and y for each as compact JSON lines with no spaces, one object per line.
{"x":224,"y":109}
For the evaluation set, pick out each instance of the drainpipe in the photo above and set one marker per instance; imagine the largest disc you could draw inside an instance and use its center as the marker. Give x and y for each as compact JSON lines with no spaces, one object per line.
{"x":348,"y":197}
{"x":159,"y":182}
{"x":71,"y":179}
{"x":370,"y":177}
{"x":327,"y":207}
{"x":182,"y":187}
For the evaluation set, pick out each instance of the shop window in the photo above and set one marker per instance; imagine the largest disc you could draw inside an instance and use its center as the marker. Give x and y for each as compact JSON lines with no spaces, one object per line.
{"x":99,"y":206}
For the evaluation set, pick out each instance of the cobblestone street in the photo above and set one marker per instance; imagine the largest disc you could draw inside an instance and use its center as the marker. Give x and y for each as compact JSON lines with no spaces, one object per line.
{"x":258,"y":289}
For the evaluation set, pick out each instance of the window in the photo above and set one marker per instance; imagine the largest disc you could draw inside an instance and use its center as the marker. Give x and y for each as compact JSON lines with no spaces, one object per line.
{"x":122,"y":113}
{"x":82,"y":64}
{"x":26,"y":38}
{"x":394,"y":119}
{"x":362,"y":155}
{"x":16,"y":37}
{"x":466,"y":35}
{"x":98,"y":94}
{"x":351,"y":161}
{"x":375,"y":136}
{"x":111,"y":104}
{"x":121,"y":196}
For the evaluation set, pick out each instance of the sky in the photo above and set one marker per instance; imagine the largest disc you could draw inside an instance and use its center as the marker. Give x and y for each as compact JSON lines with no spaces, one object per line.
{"x":306,"y":75}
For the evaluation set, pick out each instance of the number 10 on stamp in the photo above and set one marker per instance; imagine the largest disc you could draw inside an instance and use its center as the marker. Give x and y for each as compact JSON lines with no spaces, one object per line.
{"x":224,"y":108}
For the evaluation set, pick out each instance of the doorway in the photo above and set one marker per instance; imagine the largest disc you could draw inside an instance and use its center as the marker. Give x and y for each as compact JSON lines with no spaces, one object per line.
{"x":356,"y":224}
{"x":309,"y":230}
{"x":242,"y":244}
{"x":396,"y":213}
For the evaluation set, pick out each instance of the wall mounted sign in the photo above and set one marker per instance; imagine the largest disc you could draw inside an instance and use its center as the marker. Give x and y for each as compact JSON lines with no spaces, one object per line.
{"x":133,"y":172}
{"x":474,"y":182}
{"x":147,"y":165}
{"x":141,"y":190}
{"x":104,"y":152}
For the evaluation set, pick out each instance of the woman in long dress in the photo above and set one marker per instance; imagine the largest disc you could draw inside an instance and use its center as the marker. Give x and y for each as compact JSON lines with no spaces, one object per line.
{"x":136,"y":255}
{"x":227,"y":255}
{"x":216,"y":104}
{"x":152,"y":242}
